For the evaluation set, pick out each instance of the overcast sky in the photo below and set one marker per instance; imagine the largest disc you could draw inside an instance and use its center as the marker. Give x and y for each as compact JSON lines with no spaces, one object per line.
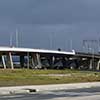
{"x":49,"y":24}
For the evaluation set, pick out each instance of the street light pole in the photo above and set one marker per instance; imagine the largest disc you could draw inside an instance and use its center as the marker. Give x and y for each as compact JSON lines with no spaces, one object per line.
{"x":11,"y":39}
{"x":71,"y":45}
{"x":16,"y":38}
{"x":51,"y":41}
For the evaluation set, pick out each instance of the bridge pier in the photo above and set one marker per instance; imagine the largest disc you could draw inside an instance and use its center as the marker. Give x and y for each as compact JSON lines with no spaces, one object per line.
{"x":28,"y":60}
{"x":22,"y":60}
{"x":91,"y":64}
{"x":57,"y":62}
{"x":64,"y":62}
{"x":98,"y":65}
{"x":85,"y":64}
{"x":94,"y":64}
{"x":31,"y":62}
{"x":51,"y":60}
{"x":36,"y":61}
{"x":11,"y":60}
{"x":3,"y":61}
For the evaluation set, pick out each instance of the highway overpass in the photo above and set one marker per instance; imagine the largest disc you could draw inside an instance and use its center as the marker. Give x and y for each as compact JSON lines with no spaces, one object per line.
{"x":12,"y":57}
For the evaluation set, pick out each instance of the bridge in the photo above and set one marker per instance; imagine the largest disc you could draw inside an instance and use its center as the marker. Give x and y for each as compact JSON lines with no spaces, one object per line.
{"x":12,"y":57}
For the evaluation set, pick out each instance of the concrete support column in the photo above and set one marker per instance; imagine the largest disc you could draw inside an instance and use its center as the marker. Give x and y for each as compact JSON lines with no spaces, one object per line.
{"x":28,"y":60}
{"x":38,"y":60}
{"x":64,"y":61}
{"x":34,"y":60}
{"x":52,"y":61}
{"x":3,"y":62}
{"x":33,"y":64}
{"x":98,"y":65}
{"x":22,"y":61}
{"x":11,"y":61}
{"x":91,"y":64}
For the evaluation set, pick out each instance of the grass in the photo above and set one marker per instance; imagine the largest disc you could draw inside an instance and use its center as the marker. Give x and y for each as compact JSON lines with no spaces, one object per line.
{"x":17,"y":77}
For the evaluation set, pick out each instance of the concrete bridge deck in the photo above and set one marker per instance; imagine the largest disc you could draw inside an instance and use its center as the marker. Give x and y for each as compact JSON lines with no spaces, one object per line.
{"x":53,"y":59}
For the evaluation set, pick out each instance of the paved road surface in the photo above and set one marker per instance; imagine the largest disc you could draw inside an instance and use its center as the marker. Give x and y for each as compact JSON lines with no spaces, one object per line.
{"x":76,"y":94}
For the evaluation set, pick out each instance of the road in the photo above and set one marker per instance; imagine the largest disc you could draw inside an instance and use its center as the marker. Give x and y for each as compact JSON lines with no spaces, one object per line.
{"x":75,"y":94}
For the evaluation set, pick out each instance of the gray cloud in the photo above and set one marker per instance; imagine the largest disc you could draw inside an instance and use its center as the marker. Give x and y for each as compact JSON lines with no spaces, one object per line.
{"x":44,"y":12}
{"x":38,"y":21}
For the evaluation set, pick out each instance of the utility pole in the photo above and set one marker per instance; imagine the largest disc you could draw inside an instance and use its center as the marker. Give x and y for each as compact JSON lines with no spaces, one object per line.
{"x":51,"y":42}
{"x":11,"y":39}
{"x":16,"y":38}
{"x":71,"y":45}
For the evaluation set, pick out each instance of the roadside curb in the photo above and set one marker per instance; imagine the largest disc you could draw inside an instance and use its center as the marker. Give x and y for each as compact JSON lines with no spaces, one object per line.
{"x":38,"y":88}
